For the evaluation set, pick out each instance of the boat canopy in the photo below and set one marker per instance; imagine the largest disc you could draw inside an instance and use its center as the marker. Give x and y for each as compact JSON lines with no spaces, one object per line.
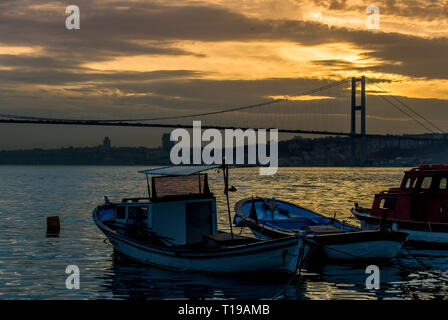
{"x":179,"y":170}
{"x":175,"y":186}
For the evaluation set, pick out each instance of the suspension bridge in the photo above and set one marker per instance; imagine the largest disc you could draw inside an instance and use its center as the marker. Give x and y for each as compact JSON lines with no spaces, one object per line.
{"x":357,"y":109}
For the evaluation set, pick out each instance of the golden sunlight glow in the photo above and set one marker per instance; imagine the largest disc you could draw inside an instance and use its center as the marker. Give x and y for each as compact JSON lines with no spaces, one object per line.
{"x":354,"y":16}
{"x":264,"y":59}
{"x":233,"y":60}
{"x":300,"y":98}
{"x":244,"y":60}
{"x":18,"y":50}
{"x":416,"y":88}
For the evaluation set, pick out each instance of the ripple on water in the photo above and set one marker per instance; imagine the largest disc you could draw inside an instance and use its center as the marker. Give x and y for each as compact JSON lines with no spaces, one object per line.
{"x":33,"y":266}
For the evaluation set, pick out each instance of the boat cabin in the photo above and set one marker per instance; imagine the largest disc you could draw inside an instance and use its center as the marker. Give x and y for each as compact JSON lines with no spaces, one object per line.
{"x":180,"y":207}
{"x":422,"y":196}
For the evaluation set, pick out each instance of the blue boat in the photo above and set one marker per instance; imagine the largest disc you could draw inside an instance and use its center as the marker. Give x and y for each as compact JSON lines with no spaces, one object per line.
{"x":334,"y":239}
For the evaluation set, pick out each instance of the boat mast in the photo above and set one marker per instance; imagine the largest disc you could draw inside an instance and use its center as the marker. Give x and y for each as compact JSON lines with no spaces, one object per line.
{"x":225,"y":173}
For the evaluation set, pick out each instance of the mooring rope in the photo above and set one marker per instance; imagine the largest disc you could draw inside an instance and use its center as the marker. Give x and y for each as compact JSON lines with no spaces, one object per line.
{"x":416,"y":259}
{"x":317,"y":245}
{"x":299,"y":264}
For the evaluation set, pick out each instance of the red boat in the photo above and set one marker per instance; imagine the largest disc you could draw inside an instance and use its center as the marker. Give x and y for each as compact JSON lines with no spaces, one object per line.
{"x":418,"y":207}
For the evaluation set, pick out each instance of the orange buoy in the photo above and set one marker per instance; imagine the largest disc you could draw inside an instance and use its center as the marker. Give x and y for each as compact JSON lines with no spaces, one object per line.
{"x":53,"y":226}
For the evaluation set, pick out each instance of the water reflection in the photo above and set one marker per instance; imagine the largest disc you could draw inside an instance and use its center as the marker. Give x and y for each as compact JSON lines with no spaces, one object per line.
{"x":127,"y":279}
{"x":400,"y":278}
{"x":32,"y":266}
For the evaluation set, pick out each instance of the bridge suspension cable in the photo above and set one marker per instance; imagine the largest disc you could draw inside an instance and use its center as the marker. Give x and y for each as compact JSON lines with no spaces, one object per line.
{"x":429,"y":122}
{"x":239,"y":108}
{"x":409,"y":112}
{"x":406,"y":113}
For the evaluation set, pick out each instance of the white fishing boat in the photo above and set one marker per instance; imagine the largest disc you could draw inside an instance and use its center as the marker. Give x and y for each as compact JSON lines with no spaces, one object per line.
{"x":176,"y":228}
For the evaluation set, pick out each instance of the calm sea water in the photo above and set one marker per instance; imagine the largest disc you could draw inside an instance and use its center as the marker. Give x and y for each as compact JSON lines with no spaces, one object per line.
{"x":32,"y":266}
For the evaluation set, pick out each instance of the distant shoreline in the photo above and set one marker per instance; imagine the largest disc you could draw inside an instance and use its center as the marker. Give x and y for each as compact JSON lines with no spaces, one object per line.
{"x":165,"y":165}
{"x":297,"y":152}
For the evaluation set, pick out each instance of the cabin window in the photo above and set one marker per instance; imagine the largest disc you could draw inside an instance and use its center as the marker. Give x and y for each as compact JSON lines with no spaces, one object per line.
{"x":426,"y":183}
{"x":407,"y":183}
{"x":121,"y":212}
{"x":387,"y":203}
{"x":138,"y":211}
{"x":443,"y":183}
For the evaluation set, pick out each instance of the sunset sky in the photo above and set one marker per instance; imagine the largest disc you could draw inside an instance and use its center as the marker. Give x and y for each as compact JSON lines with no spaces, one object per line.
{"x":138,"y":58}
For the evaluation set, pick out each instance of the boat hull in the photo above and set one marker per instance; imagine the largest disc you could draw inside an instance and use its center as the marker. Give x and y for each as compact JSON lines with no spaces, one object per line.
{"x":269,"y":256}
{"x":381,"y":249}
{"x":419,"y":233}
{"x":375,"y":247}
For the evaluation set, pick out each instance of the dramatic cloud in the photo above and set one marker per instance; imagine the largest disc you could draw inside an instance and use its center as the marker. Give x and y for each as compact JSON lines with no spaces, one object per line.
{"x":138,"y":58}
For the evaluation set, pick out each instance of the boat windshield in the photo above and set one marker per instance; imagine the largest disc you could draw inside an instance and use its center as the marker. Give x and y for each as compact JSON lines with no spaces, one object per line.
{"x":167,"y":186}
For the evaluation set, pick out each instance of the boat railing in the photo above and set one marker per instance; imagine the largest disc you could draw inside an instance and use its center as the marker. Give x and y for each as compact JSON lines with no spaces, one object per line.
{"x":394,"y":193}
{"x":193,"y":196}
{"x":134,"y":200}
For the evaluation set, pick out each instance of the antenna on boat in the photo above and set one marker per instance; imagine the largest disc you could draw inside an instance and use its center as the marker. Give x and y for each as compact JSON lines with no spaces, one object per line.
{"x":147,"y":185}
{"x":225,"y":174}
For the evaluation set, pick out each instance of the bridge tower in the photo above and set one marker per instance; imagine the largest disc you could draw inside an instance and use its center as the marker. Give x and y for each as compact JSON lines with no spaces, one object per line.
{"x":362,"y":109}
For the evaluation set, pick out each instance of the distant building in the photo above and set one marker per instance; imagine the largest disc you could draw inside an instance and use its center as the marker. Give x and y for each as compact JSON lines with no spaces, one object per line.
{"x":167,"y":144}
{"x":106,"y":143}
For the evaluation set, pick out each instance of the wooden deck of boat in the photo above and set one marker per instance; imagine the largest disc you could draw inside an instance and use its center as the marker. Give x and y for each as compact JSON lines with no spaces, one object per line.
{"x":226,"y":238}
{"x":325,"y":229}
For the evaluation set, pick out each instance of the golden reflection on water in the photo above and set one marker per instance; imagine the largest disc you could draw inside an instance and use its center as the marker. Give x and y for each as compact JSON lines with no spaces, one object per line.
{"x":33,"y":266}
{"x":329,"y":191}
